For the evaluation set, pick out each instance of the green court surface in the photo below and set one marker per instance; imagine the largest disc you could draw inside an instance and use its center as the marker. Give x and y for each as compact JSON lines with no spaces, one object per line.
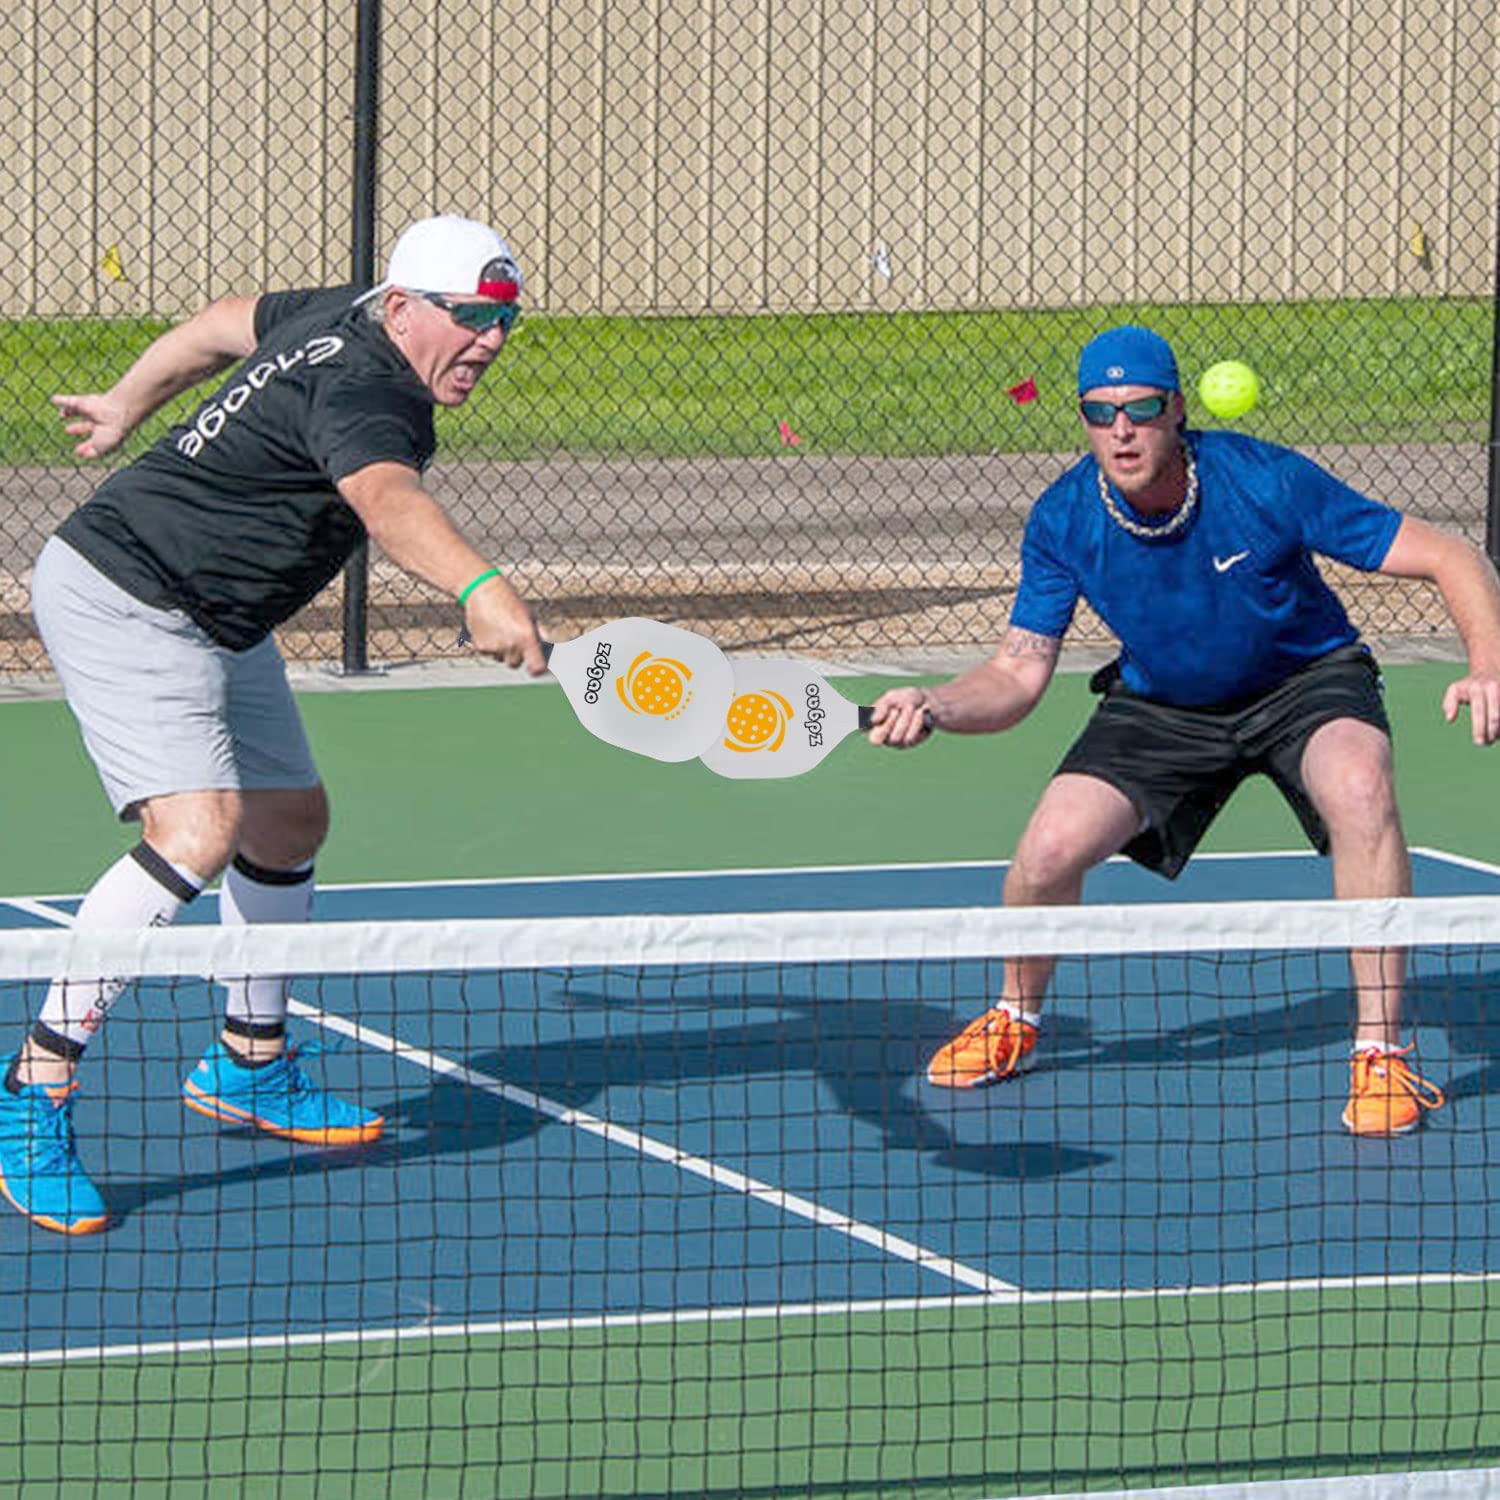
{"x":1224,"y":1374}
{"x":1119,"y":1392}
{"x":446,"y":783}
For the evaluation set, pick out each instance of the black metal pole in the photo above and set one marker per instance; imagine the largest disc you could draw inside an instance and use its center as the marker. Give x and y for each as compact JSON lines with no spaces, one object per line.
{"x":362,"y":272}
{"x":1492,"y":512}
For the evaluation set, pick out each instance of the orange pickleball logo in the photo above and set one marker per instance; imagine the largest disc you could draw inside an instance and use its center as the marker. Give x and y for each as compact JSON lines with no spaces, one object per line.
{"x":757,"y":721}
{"x":656,"y":685}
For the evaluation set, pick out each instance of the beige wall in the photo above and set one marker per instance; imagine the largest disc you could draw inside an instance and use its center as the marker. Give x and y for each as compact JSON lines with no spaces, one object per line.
{"x":682,"y":154}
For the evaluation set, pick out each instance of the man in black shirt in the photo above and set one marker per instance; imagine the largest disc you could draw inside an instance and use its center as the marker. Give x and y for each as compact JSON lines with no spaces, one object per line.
{"x":156,"y":600}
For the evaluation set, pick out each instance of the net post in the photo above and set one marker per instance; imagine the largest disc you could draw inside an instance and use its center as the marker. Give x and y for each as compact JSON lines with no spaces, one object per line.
{"x":366,"y":126}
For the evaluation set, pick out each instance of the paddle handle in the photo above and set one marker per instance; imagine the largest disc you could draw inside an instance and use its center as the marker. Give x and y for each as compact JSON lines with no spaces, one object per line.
{"x":464,"y":638}
{"x":867,"y":719}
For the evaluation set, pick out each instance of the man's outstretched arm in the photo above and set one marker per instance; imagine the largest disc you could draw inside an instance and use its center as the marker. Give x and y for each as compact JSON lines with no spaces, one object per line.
{"x":206,"y":343}
{"x":1470,"y":589}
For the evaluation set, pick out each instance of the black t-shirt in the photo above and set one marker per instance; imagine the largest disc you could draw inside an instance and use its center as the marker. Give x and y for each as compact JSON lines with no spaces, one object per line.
{"x":234,"y":518}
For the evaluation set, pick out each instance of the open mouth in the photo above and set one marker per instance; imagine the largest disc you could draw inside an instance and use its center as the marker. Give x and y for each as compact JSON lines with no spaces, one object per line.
{"x":468,"y":374}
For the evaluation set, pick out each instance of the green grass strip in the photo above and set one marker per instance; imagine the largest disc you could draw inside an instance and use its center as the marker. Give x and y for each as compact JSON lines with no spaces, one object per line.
{"x":876,"y":384}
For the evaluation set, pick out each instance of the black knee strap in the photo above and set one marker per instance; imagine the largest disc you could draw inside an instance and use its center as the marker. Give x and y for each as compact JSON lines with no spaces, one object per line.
{"x":263,"y":876}
{"x":162,"y":872}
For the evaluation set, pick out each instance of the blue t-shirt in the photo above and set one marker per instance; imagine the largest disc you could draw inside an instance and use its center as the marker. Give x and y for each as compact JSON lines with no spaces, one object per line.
{"x":1230,"y":605}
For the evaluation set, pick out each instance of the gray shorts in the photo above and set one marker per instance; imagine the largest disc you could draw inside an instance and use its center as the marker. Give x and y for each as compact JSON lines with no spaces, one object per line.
{"x":162,"y":707}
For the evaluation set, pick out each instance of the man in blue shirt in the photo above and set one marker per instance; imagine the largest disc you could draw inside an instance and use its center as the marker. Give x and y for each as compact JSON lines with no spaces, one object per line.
{"x":1196,"y":549}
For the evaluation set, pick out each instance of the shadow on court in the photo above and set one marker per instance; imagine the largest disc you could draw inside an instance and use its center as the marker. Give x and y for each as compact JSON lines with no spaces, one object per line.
{"x":867,"y":1061}
{"x":1467,"y":1008}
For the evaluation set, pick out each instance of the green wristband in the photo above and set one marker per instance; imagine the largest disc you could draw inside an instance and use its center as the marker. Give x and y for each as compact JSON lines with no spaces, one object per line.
{"x":484,"y":577}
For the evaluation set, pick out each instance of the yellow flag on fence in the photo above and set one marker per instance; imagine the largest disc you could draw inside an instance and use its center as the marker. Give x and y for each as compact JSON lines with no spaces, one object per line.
{"x":112,"y":265}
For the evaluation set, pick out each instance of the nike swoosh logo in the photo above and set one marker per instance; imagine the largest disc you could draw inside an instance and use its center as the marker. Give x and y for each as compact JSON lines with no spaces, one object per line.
{"x":1224,"y":564}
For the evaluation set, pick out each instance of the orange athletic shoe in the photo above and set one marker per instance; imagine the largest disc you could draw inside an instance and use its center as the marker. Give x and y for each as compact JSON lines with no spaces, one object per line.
{"x":1385,"y":1096}
{"x":998,"y":1045}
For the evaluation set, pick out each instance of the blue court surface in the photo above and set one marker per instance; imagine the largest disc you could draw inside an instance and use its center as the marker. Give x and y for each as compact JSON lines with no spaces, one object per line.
{"x":604,"y":1144}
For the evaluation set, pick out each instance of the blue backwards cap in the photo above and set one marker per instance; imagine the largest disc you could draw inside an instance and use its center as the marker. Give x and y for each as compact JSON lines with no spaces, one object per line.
{"x":1127,"y":356}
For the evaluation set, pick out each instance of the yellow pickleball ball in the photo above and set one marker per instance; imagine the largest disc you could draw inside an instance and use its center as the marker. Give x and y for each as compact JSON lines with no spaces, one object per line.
{"x":1229,"y":389}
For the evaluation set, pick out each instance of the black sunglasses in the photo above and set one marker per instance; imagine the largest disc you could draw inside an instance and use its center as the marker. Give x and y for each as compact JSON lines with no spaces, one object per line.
{"x":477,"y":317}
{"x":1142,"y":409}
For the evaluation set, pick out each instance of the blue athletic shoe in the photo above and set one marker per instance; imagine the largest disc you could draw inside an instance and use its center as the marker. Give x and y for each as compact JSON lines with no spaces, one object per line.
{"x":279,"y":1098}
{"x":39,"y":1168}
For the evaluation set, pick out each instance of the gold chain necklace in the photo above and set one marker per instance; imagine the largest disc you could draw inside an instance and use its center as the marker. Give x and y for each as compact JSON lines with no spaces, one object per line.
{"x":1173,"y":524}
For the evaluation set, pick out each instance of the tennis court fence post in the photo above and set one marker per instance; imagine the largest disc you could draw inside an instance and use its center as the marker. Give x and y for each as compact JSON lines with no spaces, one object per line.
{"x":356,"y":622}
{"x":1492,"y":511}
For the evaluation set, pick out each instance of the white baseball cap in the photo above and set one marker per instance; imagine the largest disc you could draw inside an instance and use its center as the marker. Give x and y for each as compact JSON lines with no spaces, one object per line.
{"x":448,"y":254}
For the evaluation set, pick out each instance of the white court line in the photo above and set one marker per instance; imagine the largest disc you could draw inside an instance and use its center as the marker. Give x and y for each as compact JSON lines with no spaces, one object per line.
{"x":602,"y":877}
{"x":645,"y":1145}
{"x":779,"y":1312}
{"x":634,"y":1140}
{"x":597,"y":877}
{"x":770,"y":872}
{"x":1461,"y":860}
{"x":773,"y":872}
{"x":39,"y":908}
{"x":1447,"y":1484}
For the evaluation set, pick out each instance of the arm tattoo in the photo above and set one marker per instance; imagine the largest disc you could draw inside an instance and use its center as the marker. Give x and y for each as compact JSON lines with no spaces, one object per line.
{"x":1029,"y":643}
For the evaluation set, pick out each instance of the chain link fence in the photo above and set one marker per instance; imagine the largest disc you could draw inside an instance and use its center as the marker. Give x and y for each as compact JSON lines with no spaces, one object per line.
{"x":805,"y":281}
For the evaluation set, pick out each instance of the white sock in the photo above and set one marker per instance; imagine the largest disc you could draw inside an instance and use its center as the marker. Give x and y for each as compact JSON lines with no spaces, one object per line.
{"x":141,"y":889}
{"x":1373,"y":1045}
{"x":249,"y":894}
{"x":1019,"y":1013}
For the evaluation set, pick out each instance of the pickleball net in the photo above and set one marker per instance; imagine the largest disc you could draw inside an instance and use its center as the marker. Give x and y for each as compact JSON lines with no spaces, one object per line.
{"x":665,"y":1206}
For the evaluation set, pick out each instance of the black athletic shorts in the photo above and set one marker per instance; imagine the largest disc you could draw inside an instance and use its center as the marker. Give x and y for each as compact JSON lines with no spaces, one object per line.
{"x":1179,"y":766}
